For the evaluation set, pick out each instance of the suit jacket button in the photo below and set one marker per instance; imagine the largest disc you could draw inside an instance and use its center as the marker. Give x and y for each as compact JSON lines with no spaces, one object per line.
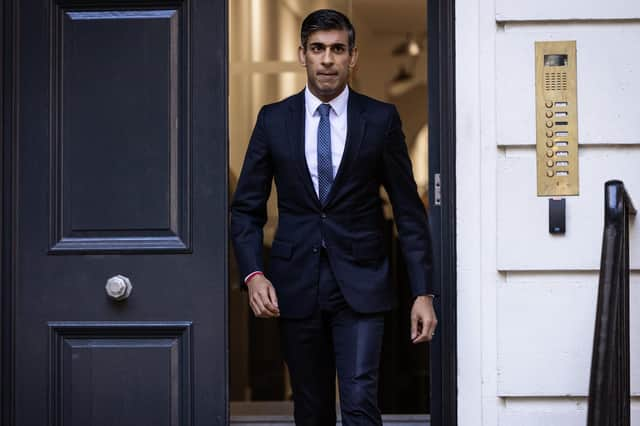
{"x":315,"y":249}
{"x":323,"y":215}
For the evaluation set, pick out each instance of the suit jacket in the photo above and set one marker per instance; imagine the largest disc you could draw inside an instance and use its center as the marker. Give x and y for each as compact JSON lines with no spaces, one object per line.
{"x":351,"y":220}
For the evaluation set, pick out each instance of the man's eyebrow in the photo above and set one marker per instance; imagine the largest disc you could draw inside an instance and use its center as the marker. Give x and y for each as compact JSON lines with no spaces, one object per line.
{"x":318,"y":44}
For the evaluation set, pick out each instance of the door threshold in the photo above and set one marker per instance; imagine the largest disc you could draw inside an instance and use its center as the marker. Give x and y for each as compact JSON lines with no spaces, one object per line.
{"x":387,"y":420}
{"x":280,"y":413}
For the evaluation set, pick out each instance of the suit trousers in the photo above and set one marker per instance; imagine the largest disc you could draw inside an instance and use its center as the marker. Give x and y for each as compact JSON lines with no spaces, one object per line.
{"x":334,"y":338}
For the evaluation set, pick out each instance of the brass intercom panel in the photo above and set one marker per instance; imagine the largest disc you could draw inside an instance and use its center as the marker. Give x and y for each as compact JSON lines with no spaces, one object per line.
{"x":556,"y":118}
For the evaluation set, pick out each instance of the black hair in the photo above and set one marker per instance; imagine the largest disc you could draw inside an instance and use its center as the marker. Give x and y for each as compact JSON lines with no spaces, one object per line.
{"x":324,"y":20}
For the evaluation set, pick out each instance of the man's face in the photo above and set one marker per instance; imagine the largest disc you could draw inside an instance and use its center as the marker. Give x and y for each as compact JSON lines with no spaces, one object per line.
{"x":328,"y":62}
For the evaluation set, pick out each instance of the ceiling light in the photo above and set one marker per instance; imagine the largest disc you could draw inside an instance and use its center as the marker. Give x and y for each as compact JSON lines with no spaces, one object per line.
{"x":410,"y":47}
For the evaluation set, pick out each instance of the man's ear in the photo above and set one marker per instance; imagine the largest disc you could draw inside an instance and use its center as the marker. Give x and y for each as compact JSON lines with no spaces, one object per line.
{"x":301,"y":57}
{"x":354,"y":57}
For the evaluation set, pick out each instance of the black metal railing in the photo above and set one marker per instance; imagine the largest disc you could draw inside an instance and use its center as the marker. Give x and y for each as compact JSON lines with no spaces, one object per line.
{"x":609,"y":388}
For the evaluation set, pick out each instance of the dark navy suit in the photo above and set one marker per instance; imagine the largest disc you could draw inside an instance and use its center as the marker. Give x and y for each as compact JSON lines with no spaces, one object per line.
{"x":328,"y":262}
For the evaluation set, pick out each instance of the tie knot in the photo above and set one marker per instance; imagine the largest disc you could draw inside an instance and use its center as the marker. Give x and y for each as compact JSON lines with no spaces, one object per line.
{"x":324,"y":109}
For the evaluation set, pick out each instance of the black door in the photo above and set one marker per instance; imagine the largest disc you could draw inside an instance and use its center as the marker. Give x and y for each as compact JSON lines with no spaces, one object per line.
{"x":120,"y":170}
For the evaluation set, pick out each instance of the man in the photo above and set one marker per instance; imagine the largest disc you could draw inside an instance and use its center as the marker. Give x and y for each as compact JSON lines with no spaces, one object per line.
{"x":329,"y":150}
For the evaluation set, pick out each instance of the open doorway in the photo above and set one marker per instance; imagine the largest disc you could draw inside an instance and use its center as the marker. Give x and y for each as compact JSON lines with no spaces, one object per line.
{"x":263,"y":68}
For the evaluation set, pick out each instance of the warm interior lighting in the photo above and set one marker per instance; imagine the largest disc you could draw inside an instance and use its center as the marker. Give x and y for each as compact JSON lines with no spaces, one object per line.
{"x":409,"y":47}
{"x":413,"y":48}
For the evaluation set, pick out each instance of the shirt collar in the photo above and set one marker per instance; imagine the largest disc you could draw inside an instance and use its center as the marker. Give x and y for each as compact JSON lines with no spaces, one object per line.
{"x":338,"y":104}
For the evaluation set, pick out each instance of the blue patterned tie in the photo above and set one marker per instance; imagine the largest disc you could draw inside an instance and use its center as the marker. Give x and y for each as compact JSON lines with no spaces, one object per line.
{"x":325,"y":169}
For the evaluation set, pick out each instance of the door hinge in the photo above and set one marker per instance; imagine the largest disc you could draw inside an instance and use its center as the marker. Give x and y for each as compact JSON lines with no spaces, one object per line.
{"x":437,"y":190}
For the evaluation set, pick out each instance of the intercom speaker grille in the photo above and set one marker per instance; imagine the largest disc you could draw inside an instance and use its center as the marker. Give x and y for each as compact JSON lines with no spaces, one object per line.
{"x":555,"y":81}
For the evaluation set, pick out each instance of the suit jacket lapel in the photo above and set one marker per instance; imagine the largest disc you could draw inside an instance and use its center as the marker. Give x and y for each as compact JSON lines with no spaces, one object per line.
{"x":295,"y":125}
{"x":356,"y":126}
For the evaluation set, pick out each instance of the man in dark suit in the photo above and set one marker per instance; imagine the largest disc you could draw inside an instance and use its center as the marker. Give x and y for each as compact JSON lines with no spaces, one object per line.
{"x":329,"y":149}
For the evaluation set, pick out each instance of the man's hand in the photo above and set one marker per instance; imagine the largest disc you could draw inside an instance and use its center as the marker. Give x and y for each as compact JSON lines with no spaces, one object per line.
{"x":262,"y":297}
{"x":423,"y":320}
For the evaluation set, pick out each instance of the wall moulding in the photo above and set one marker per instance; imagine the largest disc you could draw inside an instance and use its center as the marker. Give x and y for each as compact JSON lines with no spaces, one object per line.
{"x":545,"y":10}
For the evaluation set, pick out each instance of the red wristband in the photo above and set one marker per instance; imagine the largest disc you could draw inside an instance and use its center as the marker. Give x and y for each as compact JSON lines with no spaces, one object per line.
{"x":251,"y":275}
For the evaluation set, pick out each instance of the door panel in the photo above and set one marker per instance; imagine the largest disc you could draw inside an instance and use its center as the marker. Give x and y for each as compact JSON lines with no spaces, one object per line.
{"x":89,"y":361}
{"x":120,"y":140}
{"x":121,"y":169}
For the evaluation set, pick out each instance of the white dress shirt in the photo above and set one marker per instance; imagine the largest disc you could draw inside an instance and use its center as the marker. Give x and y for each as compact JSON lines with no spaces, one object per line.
{"x":338,"y":120}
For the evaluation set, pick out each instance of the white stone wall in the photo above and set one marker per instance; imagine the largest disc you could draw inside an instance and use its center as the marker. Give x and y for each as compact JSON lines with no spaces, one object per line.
{"x":526,"y":299}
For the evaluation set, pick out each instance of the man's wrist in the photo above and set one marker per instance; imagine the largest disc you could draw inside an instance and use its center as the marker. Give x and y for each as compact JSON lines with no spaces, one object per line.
{"x":430,"y":296}
{"x":252,"y":276}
